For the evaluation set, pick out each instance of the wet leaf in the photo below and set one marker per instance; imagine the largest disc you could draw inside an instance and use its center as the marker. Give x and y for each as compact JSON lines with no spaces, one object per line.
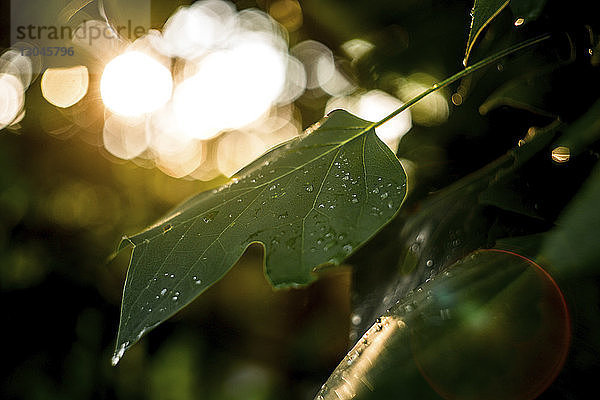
{"x":572,"y":248}
{"x":483,"y":12}
{"x":446,"y":226}
{"x":494,"y":325}
{"x":309,"y":202}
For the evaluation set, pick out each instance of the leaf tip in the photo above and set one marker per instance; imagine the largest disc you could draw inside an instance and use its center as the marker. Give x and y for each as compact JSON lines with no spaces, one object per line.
{"x":118,"y":354}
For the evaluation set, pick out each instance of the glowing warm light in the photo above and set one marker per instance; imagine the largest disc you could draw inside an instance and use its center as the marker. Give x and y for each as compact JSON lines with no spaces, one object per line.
{"x":288,"y":13}
{"x":519,"y":21}
{"x":373,"y":106}
{"x":295,"y":82}
{"x":194,"y":30}
{"x":236,"y":150}
{"x":321,"y":71}
{"x":231,"y":89}
{"x":234,"y":77}
{"x":125,"y":138}
{"x":432,"y":110}
{"x":318,"y":62}
{"x":457,"y":99}
{"x":351,"y":377}
{"x":12,"y":98}
{"x":357,"y":48}
{"x":134,"y":84}
{"x":65,"y":87}
{"x":561,"y":154}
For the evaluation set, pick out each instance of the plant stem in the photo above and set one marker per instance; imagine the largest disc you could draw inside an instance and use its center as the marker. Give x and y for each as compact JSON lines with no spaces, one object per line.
{"x":478,"y":65}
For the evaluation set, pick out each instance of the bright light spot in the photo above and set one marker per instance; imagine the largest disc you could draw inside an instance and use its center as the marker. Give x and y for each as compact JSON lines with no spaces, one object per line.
{"x":12,"y":99}
{"x":457,"y":99}
{"x":134,"y":84}
{"x":519,"y":21}
{"x":295,"y":82}
{"x":65,"y":87}
{"x":432,"y":110}
{"x":561,"y":154}
{"x":288,"y":13}
{"x":13,"y":63}
{"x":236,"y":150}
{"x":373,"y":106}
{"x":231,"y":89}
{"x":125,"y":138}
{"x":318,"y":62}
{"x":357,"y":48}
{"x":232,"y":74}
{"x":194,"y":30}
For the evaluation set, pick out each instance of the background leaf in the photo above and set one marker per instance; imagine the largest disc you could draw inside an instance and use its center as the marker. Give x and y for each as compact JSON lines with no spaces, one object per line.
{"x":572,"y":247}
{"x":483,"y":12}
{"x":450,"y":337}
{"x":309,"y":202}
{"x":432,"y":234}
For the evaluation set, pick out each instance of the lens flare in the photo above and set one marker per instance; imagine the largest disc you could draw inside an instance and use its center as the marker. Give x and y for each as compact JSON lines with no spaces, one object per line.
{"x":134,"y":84}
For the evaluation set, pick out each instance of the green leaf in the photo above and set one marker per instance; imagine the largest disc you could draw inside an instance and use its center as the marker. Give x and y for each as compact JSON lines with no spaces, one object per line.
{"x":446,"y":226}
{"x":528,"y":92}
{"x":571,"y":248}
{"x":309,"y":202}
{"x":527,"y":10}
{"x":493,"y":326}
{"x":483,"y":12}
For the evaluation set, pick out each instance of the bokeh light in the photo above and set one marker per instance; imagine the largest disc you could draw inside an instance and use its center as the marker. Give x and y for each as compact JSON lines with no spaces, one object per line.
{"x":223,"y":96}
{"x":12,"y":99}
{"x":65,"y":87}
{"x":125,"y":137}
{"x":432,"y":110}
{"x":16,"y":73}
{"x":134,"y":83}
{"x":373,"y":106}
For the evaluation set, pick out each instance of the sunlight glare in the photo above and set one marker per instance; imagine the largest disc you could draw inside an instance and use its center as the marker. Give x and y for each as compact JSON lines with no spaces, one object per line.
{"x":134,"y":84}
{"x":231,"y":89}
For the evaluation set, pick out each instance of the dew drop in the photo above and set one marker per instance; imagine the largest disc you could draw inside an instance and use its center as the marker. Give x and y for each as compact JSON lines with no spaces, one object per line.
{"x":310,"y":188}
{"x":163,"y":292}
{"x":356,"y":319}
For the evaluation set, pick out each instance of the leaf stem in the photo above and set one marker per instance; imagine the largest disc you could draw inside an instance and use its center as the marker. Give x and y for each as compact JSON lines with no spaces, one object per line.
{"x":480,"y":64}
